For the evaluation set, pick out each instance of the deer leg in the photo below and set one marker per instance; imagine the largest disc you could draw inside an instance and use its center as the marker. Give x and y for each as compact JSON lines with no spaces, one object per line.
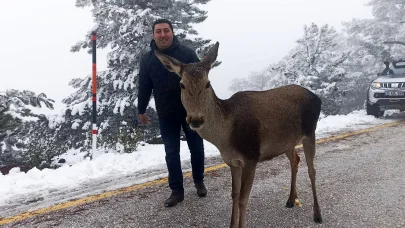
{"x":236,"y":185}
{"x":308,"y":143}
{"x":248,"y":175}
{"x":294,"y":160}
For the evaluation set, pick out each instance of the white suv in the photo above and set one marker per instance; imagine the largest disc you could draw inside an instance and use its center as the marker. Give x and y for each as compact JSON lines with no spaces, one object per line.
{"x":388,"y":90}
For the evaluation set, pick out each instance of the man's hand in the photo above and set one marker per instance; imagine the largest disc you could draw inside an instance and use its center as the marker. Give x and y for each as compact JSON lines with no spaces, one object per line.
{"x":144,"y":119}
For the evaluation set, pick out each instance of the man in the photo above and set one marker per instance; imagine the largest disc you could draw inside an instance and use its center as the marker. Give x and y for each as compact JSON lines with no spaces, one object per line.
{"x":172,"y":115}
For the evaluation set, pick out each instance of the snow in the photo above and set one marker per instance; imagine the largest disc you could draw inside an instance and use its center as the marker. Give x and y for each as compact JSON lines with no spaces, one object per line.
{"x":117,"y":84}
{"x":55,"y":120}
{"x":332,"y":125}
{"x":120,"y":105}
{"x":79,"y":108}
{"x":76,"y":123}
{"x":151,"y":103}
{"x":38,"y":110}
{"x":15,"y":111}
{"x":23,"y":118}
{"x":142,"y":12}
{"x":18,"y":188}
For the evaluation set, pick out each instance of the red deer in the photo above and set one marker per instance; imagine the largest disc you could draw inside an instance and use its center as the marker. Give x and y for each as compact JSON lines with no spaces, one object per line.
{"x":250,"y":127}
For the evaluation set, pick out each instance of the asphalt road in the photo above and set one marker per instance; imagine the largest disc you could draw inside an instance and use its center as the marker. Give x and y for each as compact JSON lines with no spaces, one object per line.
{"x":360,"y":183}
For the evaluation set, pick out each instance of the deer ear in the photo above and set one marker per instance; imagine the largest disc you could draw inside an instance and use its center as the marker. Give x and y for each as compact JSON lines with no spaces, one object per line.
{"x":171,"y":64}
{"x":211,"y":56}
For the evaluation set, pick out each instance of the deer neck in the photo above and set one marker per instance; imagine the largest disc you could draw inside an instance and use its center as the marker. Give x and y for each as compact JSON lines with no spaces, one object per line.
{"x":216,"y":127}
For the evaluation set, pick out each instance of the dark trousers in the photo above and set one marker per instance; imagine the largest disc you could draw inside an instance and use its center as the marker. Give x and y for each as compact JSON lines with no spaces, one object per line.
{"x":170,"y":131}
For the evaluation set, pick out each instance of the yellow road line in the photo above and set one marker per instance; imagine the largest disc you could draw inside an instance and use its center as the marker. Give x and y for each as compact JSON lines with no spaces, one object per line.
{"x":93,"y":198}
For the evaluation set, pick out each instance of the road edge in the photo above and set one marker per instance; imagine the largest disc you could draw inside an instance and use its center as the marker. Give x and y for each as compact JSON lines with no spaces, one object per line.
{"x":88,"y":199}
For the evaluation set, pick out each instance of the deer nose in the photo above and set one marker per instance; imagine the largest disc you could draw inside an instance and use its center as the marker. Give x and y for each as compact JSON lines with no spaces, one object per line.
{"x":195,"y":122}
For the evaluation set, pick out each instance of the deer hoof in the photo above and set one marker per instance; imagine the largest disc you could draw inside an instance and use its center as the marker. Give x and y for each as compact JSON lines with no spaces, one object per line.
{"x":317,"y":218}
{"x":289,"y":204}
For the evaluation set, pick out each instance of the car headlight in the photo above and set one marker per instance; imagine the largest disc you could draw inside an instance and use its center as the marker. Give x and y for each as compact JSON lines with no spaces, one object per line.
{"x":376,"y":85}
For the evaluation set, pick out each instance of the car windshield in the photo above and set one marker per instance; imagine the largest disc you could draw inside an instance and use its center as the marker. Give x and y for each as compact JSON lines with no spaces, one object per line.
{"x":395,"y":72}
{"x":398,"y":70}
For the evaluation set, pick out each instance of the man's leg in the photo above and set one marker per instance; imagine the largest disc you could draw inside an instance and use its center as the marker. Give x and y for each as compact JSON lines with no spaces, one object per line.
{"x":196,"y":146}
{"x":170,"y":131}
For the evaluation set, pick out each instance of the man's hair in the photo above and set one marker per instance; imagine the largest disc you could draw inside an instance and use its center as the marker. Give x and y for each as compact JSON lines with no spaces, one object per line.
{"x":162,"y":21}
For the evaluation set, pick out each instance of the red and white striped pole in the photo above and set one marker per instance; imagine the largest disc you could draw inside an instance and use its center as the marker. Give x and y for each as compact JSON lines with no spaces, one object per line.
{"x":94,"y":94}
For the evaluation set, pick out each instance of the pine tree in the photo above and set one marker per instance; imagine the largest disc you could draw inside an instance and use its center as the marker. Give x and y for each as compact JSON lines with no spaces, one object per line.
{"x":316,"y":63}
{"x":8,"y":124}
{"x":126,"y":28}
{"x":17,"y":121}
{"x":368,"y":36}
{"x":258,"y":81}
{"x":391,"y":10}
{"x":368,"y":50}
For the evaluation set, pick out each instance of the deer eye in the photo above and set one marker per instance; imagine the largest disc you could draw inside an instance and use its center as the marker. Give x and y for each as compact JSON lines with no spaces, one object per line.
{"x":208,"y":85}
{"x":182,"y":86}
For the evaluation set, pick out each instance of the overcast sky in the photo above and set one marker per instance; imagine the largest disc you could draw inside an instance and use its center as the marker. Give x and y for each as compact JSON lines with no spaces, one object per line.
{"x":37,"y":36}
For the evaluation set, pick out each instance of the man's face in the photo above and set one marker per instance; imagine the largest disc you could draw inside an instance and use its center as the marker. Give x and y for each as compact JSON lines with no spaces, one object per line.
{"x":163,"y":35}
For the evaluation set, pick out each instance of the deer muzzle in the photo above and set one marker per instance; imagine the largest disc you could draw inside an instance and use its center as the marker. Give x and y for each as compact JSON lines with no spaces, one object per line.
{"x":195,"y":121}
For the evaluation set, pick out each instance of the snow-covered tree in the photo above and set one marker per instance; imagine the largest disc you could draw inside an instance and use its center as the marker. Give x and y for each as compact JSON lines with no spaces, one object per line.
{"x":392,"y":10}
{"x":367,"y":37}
{"x":314,"y":63}
{"x":17,"y":120}
{"x":125,"y":27}
{"x":366,"y":42}
{"x":344,"y":63}
{"x":258,"y":80}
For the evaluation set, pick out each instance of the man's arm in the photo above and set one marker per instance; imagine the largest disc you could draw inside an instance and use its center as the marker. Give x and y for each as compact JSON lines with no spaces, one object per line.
{"x":145,"y":87}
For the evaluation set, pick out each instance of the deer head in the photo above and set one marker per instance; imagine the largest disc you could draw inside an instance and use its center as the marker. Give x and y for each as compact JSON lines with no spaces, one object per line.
{"x":194,"y":83}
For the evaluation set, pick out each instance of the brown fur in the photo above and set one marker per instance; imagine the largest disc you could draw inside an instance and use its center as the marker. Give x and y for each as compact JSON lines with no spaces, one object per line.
{"x":250,"y":127}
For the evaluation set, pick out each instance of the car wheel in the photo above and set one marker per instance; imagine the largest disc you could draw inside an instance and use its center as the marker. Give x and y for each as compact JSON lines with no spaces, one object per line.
{"x":373,"y":110}
{"x":379,"y":113}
